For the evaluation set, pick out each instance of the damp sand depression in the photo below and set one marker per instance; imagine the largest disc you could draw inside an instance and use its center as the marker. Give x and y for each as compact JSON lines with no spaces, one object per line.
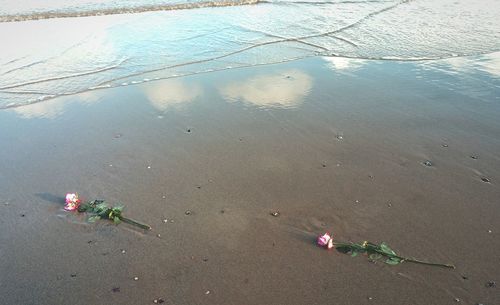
{"x":202,"y":127}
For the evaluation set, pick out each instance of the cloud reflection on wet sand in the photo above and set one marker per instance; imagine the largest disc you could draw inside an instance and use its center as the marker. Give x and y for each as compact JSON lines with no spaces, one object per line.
{"x":277,"y":90}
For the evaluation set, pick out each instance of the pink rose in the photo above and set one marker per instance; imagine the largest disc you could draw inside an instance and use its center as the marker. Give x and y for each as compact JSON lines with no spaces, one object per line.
{"x":72,"y":202}
{"x":324,"y":240}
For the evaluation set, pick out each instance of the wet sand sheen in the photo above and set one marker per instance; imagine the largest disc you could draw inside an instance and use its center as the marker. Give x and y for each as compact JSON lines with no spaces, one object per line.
{"x":334,"y":146}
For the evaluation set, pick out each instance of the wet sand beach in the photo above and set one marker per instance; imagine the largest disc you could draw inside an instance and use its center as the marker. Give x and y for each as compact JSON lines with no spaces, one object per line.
{"x":386,"y":151}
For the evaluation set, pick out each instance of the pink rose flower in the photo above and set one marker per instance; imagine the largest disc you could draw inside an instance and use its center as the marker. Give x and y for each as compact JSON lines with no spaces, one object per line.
{"x":324,"y":240}
{"x":72,"y":202}
{"x":330,"y":244}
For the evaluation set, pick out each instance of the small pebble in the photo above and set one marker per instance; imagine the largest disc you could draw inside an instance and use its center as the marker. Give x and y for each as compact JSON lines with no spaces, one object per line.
{"x":149,"y":166}
{"x":118,"y":135}
{"x":171,"y":221}
{"x":205,"y":259}
{"x":207,"y":292}
{"x":165,"y":220}
{"x":489,"y":231}
{"x":123,"y":251}
{"x":73,"y":275}
{"x":158,"y":301}
{"x":484,"y":179}
{"x":159,"y":235}
{"x":457,"y":300}
{"x":324,"y":165}
{"x":389,"y":204}
{"x":474,"y":157}
{"x":188,"y":212}
{"x":444,"y":145}
{"x":275,"y":213}
{"x":339,"y":137}
{"x":163,"y":196}
{"x":491,"y":284}
{"x":115,"y":289}
{"x":111,"y":165}
{"x":357,"y":201}
{"x":188,"y":130}
{"x":22,"y":215}
{"x":136,"y":278}
{"x":427,"y":163}
{"x":222,"y":211}
{"x":370,"y":298}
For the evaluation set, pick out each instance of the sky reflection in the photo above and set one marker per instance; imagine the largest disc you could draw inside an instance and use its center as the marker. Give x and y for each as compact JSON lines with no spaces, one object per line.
{"x":286,"y":89}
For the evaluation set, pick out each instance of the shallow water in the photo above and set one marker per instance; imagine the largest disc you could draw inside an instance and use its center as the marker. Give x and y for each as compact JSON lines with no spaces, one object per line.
{"x":43,"y":59}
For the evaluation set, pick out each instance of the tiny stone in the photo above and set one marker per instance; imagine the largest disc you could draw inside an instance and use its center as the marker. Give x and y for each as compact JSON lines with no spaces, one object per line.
{"x":73,"y":275}
{"x":22,"y":215}
{"x":188,"y":130}
{"x":205,"y":259}
{"x":136,"y":278}
{"x":149,"y":166}
{"x":158,"y":235}
{"x":163,"y":196}
{"x":115,"y":289}
{"x":339,"y":137}
{"x":188,"y":212}
{"x":389,"y":204}
{"x":207,"y":292}
{"x":444,"y":145}
{"x":123,"y":251}
{"x":489,"y":231}
{"x":491,"y":284}
{"x":275,"y":214}
{"x":222,"y":211}
{"x":457,"y":300}
{"x":171,"y":221}
{"x":474,"y":157}
{"x":427,"y":163}
{"x":158,"y":301}
{"x":165,"y":220}
{"x":357,"y":201}
{"x":465,"y":277}
{"x":484,"y":179}
{"x":370,"y":298}
{"x":111,"y":165}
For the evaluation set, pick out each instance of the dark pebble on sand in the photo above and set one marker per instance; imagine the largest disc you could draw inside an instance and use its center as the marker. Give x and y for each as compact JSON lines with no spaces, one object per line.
{"x":73,"y":275}
{"x":444,"y":145}
{"x":427,"y":163}
{"x":484,"y":179}
{"x":188,"y":130}
{"x":158,"y":301}
{"x":116,"y":289}
{"x":491,"y":284}
{"x":474,"y":157}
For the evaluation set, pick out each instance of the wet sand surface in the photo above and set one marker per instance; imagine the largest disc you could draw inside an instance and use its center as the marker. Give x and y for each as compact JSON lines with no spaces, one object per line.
{"x":333,"y":145}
